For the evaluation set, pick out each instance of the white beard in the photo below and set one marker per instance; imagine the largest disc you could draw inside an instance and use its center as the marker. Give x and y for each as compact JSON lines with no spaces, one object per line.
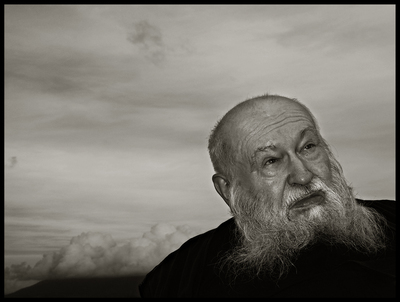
{"x":270,"y":239}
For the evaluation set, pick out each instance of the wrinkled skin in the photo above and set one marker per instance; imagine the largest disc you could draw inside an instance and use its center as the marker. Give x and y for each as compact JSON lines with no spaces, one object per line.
{"x":293,"y":150}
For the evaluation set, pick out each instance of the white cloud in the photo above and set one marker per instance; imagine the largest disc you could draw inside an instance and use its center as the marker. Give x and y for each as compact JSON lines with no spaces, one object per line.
{"x":94,"y":254}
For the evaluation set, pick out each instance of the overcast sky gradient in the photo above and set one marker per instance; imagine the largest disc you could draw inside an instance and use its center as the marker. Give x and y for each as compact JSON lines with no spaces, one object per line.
{"x":108,"y":108}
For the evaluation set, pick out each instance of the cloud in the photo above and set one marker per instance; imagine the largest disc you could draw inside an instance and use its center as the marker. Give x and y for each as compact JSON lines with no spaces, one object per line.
{"x":149,"y":39}
{"x":97,"y":254}
{"x":12,"y":277}
{"x":339,"y":30}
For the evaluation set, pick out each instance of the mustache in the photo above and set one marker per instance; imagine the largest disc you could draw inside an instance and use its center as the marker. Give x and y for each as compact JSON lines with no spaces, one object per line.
{"x":296,"y":193}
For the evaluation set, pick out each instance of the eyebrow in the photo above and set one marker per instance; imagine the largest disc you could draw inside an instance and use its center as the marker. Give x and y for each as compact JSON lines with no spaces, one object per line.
{"x":303,"y":132}
{"x":264,"y":148}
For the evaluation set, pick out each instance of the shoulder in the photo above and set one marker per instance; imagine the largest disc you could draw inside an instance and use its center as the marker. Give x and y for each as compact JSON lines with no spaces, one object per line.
{"x":385,"y":207}
{"x":180,"y":271}
{"x":380,"y":203}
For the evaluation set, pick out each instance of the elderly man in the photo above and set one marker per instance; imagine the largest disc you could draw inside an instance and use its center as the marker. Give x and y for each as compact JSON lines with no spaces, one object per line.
{"x":297,"y":229}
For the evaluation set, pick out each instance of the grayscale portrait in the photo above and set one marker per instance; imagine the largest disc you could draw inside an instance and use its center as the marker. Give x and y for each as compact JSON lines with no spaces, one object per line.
{"x":199,"y":151}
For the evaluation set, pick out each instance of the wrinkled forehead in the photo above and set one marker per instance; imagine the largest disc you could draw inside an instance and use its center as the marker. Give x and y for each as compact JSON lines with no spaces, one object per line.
{"x":266,"y":116}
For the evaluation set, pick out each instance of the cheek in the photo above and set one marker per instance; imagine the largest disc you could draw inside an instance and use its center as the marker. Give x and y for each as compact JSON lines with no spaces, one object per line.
{"x":272,"y":191}
{"x":322,"y":169}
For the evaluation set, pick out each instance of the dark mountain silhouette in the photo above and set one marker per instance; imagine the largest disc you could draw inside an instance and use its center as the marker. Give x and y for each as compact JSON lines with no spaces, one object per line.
{"x":107,"y":287}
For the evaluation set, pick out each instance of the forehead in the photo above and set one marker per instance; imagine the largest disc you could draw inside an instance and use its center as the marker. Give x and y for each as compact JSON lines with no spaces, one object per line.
{"x":269,"y":123}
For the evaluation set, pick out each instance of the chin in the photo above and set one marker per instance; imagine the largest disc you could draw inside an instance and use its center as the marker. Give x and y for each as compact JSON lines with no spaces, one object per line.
{"x":315,"y":211}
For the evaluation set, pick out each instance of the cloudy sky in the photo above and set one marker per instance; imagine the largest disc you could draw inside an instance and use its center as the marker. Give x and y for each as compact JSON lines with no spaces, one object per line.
{"x":108,"y":109}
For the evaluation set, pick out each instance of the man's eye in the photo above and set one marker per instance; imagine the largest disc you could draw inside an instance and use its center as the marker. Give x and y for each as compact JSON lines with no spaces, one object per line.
{"x":309,"y":146}
{"x":270,"y":161}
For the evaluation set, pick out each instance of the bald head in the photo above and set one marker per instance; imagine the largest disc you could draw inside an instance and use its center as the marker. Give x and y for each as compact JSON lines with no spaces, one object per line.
{"x":243,"y":120}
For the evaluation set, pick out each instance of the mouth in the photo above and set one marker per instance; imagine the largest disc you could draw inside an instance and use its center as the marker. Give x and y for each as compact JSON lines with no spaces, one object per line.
{"x":311,"y":200}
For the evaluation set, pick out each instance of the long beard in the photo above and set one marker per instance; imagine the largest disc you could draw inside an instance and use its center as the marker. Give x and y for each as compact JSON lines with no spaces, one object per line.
{"x":270,"y":239}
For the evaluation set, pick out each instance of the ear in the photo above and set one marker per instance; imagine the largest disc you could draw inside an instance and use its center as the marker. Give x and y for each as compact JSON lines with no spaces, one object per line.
{"x":222,"y":186}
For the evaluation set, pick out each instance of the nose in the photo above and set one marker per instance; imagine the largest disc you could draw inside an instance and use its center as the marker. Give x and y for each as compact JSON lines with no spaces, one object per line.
{"x":299,"y":174}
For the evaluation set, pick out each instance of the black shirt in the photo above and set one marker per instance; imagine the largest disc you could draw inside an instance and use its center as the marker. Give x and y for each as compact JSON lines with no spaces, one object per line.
{"x":320,"y":271}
